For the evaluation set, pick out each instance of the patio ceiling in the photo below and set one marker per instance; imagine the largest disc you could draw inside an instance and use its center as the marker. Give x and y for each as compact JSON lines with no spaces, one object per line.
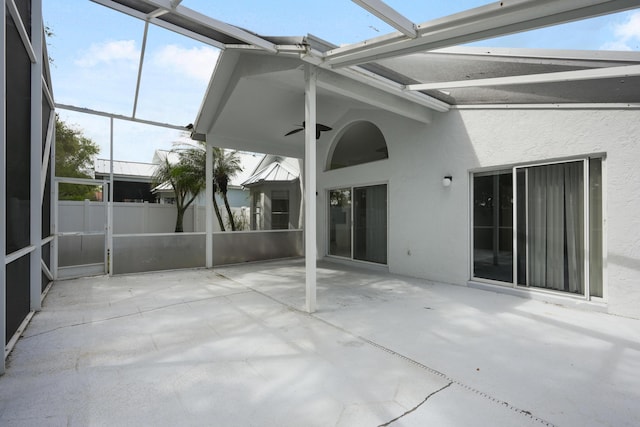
{"x":391,"y":71}
{"x":255,"y":99}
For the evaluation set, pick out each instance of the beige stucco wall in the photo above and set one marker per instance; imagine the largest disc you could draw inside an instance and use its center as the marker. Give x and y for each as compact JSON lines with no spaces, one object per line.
{"x":429,"y":225}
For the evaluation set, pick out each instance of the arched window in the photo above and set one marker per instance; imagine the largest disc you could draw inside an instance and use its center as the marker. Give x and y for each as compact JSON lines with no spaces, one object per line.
{"x":361,"y":142}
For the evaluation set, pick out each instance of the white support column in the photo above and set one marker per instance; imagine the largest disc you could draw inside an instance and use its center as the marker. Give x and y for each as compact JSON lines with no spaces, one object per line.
{"x":3,"y":188}
{"x":209,"y":206}
{"x":54,"y":201}
{"x":142,"y":51}
{"x":110,"y":206}
{"x":35,"y":228}
{"x":310,"y":248}
{"x":54,"y":227}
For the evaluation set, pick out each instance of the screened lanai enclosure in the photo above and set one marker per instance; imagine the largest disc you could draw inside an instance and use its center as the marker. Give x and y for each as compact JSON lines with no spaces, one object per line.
{"x":497,"y":168}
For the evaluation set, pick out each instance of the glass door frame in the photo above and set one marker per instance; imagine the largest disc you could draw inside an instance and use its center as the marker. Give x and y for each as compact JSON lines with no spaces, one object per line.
{"x":516,"y":226}
{"x":586,"y":295}
{"x":351,"y":189}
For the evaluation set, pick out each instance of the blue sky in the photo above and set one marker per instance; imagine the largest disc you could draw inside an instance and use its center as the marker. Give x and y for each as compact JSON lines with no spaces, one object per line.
{"x":96,"y":50}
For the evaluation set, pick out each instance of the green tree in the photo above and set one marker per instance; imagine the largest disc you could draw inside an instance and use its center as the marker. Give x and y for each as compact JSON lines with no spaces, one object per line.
{"x":196,"y":155}
{"x":185,"y":179}
{"x":75,"y":154}
{"x":227,"y":164}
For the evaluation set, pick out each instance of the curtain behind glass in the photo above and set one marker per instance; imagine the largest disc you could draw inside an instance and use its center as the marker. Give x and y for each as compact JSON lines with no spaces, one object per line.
{"x":555,"y":227}
{"x":370,"y":221}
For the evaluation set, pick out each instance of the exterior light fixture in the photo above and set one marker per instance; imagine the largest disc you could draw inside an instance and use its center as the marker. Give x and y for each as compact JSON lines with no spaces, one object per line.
{"x":446,"y":181}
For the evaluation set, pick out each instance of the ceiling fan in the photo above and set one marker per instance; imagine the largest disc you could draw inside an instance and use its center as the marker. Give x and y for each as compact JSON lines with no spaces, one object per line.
{"x":319,"y":128}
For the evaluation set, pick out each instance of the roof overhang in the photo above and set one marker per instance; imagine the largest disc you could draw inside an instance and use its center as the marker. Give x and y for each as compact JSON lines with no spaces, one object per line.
{"x":254,"y":99}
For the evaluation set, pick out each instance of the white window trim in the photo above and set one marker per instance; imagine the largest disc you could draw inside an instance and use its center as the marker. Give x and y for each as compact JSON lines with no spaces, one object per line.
{"x":513,"y":285}
{"x":351,"y":188}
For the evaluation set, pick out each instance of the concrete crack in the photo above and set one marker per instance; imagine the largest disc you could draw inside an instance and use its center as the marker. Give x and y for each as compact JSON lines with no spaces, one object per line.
{"x":415,"y":407}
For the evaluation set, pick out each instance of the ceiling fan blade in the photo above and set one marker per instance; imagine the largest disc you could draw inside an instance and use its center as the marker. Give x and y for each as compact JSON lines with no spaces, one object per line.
{"x":293,"y":131}
{"x":319,"y":128}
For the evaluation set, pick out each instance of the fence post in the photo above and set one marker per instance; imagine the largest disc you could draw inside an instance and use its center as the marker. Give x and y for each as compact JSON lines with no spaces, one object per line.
{"x":145,"y":217}
{"x":86,"y":216}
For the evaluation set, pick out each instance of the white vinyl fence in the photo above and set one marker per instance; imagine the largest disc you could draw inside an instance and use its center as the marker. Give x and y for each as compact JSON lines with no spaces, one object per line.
{"x":144,"y":239}
{"x":136,"y":218}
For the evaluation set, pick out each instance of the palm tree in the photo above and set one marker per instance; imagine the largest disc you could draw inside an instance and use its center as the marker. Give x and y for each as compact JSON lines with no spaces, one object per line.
{"x":227,"y":164}
{"x":196,"y":155}
{"x":186,"y":181}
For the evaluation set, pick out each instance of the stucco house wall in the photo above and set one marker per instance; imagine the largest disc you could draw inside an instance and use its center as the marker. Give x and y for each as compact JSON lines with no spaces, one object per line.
{"x":429,"y":225}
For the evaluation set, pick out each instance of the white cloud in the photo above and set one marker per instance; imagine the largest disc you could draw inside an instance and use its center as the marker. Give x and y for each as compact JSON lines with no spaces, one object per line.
{"x":109,"y":52}
{"x":627,"y":34}
{"x":617,"y":45}
{"x":629,"y":30}
{"x":196,"y":62}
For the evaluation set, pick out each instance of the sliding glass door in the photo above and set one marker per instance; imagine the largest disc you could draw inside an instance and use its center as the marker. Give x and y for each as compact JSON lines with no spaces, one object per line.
{"x":340,"y":222}
{"x":358,"y":223}
{"x":493,"y":226}
{"x":540,"y":226}
{"x":554,"y":241}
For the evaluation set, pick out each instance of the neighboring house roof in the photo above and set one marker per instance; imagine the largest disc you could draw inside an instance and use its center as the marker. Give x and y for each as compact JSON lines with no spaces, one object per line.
{"x":274,"y":169}
{"x":125,"y":171}
{"x":248,"y":162}
{"x":275,"y":172}
{"x":165,"y":187}
{"x":159,"y":156}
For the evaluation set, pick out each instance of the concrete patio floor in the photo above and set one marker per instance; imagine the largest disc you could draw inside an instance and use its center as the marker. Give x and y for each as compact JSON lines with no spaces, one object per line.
{"x":231,"y":347}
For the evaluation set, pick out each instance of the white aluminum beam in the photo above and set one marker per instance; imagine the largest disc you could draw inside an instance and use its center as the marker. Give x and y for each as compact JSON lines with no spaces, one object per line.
{"x":550,"y":55}
{"x":562,"y":76}
{"x":390,"y":16}
{"x":109,"y":246}
{"x":344,"y":86}
{"x":24,"y":36}
{"x":35,"y":167}
{"x":118,"y":116}
{"x":153,"y":19}
{"x":310,"y":247}
{"x":489,"y":21}
{"x":140,"y":64}
{"x":209,"y":205}
{"x":216,"y":25}
{"x":558,"y":106}
{"x":81,"y":181}
{"x":156,"y":13}
{"x":47,"y":93}
{"x":379,"y":82}
{"x":45,"y":269}
{"x":13,"y":256}
{"x":47,"y":153}
{"x":3,"y":187}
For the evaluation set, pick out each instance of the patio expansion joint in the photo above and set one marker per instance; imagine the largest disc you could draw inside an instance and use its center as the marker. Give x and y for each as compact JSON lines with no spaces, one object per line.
{"x":137,"y":313}
{"x":451,"y":381}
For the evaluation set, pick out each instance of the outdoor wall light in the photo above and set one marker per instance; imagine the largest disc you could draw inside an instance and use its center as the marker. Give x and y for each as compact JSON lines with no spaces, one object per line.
{"x":446,"y":181}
